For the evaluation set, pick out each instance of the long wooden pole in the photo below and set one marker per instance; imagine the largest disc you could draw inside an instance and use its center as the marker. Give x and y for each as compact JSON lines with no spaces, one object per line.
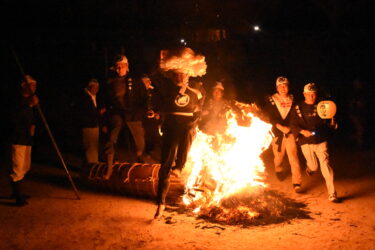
{"x":44,"y":120}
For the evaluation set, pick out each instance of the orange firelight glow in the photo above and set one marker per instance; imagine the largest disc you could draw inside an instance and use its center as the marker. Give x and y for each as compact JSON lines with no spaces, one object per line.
{"x":222,"y":165}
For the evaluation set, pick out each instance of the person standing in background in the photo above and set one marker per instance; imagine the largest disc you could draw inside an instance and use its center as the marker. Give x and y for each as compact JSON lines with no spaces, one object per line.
{"x":23,"y":124}
{"x":213,"y":118}
{"x":90,"y":115}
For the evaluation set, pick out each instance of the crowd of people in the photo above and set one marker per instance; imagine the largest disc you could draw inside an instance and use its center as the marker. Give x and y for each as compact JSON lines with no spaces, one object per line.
{"x":162,"y":111}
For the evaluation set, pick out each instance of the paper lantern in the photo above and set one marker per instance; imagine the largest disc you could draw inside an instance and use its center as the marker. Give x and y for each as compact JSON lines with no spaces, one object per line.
{"x":326,"y":109}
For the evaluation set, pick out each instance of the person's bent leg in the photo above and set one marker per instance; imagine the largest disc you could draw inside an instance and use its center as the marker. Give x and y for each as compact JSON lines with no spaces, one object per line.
{"x":138,"y":133}
{"x":278,"y":149}
{"x":168,"y":155}
{"x":186,"y":138}
{"x":292,"y":152}
{"x":308,"y":153}
{"x":116,"y":126}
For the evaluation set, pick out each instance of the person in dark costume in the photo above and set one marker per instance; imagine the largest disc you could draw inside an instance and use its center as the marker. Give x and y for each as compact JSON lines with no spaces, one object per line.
{"x":23,"y":125}
{"x":180,"y":106}
{"x":312,"y":133}
{"x":126,"y":105}
{"x":151,"y":122}
{"x":90,"y":111}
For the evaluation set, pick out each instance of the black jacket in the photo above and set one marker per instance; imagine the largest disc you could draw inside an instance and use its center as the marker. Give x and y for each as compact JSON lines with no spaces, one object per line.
{"x":89,"y":116}
{"x":273,"y":116}
{"x":305,"y":117}
{"x":167,"y":99}
{"x":127,"y":98}
{"x":22,"y":119}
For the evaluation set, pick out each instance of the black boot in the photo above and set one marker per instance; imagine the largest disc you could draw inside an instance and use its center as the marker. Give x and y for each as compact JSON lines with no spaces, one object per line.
{"x":20,"y":199}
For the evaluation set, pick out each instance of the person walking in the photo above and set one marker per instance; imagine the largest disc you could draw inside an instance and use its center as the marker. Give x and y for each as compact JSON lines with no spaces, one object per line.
{"x":312,"y":133}
{"x":279,"y":108}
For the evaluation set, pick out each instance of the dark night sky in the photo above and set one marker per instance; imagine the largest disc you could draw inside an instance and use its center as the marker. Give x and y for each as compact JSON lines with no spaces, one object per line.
{"x":64,"y":43}
{"x":38,"y":27}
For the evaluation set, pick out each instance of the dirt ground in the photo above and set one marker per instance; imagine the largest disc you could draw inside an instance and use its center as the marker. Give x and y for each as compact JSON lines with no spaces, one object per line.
{"x":55,"y":219}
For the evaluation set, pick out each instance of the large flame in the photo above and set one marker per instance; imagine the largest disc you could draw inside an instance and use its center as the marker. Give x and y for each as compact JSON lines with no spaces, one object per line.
{"x":183,"y":60}
{"x":222,"y":165}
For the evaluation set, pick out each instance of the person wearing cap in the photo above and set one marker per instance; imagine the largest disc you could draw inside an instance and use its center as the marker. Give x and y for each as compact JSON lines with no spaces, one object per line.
{"x":312,"y":134}
{"x":126,"y":105}
{"x":278,"y":109}
{"x":23,"y":130}
{"x":90,"y":111}
{"x":213,"y":114}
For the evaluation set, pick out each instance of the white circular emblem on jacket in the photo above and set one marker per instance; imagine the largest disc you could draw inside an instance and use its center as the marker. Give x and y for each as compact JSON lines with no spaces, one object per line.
{"x":182,"y":100}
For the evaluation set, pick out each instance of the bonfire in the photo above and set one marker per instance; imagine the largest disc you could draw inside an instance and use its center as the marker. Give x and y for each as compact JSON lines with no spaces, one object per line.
{"x":226,"y":168}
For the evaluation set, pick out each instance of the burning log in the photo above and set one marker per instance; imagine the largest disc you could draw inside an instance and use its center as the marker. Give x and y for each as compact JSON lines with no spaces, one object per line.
{"x":131,"y":179}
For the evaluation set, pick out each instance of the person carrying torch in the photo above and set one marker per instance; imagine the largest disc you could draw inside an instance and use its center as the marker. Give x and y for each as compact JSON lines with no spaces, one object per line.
{"x":180,"y":106}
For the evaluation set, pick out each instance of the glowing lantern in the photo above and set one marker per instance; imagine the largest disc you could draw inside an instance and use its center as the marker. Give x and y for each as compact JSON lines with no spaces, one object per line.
{"x":326,"y":109}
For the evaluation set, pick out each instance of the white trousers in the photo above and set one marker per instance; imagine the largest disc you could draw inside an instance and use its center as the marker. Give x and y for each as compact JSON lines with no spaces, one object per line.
{"x":90,"y":137}
{"x":21,"y":161}
{"x":288,"y":146}
{"x":315,"y":152}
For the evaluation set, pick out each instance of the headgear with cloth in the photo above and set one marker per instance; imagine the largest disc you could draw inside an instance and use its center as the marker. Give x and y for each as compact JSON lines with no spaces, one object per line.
{"x":218,"y":85}
{"x":282,"y":80}
{"x":120,"y":59}
{"x":310,"y":88}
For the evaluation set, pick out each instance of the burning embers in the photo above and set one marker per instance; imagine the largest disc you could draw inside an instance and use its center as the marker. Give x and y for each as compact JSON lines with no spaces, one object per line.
{"x":227,"y":165}
{"x":255,"y":208}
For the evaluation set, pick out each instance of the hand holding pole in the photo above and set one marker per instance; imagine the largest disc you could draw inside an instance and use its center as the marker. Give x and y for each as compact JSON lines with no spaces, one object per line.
{"x":47,"y":128}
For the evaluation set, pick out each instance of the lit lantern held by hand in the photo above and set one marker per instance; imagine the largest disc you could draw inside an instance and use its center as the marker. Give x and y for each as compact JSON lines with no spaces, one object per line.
{"x":326,"y":109}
